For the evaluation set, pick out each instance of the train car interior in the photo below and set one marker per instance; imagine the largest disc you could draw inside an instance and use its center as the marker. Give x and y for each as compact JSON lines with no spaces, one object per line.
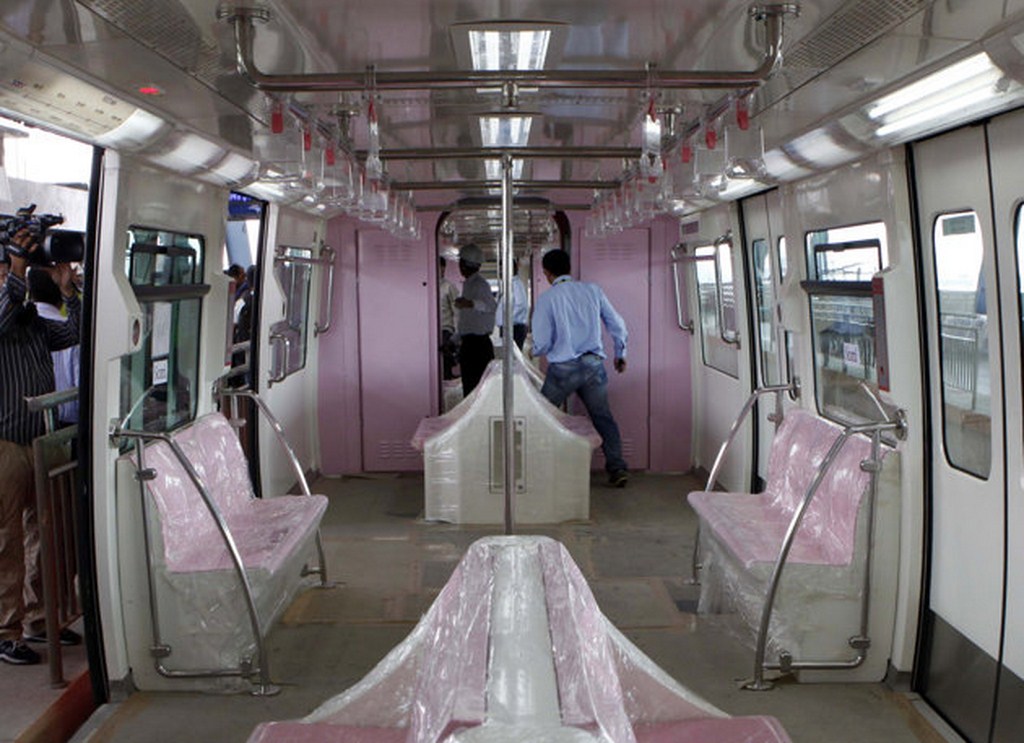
{"x":274,"y":468}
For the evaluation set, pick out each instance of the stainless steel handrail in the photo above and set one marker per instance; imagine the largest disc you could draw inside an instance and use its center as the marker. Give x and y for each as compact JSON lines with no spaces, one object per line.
{"x":327,"y":258}
{"x":243,"y":19}
{"x":293,"y":460}
{"x":264,"y":687}
{"x":793,"y":388}
{"x":677,"y":256}
{"x":860,"y":642}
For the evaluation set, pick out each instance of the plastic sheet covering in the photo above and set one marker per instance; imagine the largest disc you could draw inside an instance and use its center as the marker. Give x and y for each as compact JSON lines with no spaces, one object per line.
{"x":201,"y":602}
{"x":463,"y":472}
{"x":515,"y":649}
{"x":817,"y":607}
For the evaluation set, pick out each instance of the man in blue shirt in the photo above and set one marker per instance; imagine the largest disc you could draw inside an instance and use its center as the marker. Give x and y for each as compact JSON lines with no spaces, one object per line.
{"x":476,"y":307}
{"x":567,"y":329}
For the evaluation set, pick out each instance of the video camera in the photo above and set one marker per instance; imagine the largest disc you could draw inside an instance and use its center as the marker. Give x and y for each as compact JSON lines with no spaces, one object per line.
{"x":55,"y":246}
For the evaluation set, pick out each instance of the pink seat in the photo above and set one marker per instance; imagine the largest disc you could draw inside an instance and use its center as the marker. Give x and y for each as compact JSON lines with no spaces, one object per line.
{"x":752,"y":527}
{"x":516,"y":648}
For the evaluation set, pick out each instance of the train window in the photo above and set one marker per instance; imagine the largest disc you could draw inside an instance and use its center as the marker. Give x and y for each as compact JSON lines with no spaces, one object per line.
{"x":717,"y":305}
{"x":783,"y":259}
{"x":293,"y":270}
{"x":159,"y":381}
{"x":764,"y":287}
{"x":840,"y":264}
{"x":966,"y":396}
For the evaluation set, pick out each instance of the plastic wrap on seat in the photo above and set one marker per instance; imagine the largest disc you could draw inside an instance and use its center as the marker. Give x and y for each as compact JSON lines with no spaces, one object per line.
{"x":463,"y":470}
{"x":203,"y":614}
{"x":513,"y":649}
{"x":817,"y":607}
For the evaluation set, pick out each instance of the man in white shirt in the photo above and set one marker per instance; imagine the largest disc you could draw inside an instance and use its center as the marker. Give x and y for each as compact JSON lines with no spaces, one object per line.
{"x":447,"y":295}
{"x":520,"y":308}
{"x":476,"y":318}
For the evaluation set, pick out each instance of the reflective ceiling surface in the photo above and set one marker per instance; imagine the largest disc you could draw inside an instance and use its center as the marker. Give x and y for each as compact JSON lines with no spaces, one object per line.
{"x":835,"y":53}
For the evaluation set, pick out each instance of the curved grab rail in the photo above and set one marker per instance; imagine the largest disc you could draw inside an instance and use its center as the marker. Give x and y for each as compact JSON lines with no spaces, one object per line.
{"x":861,"y":642}
{"x":793,"y":388}
{"x":293,"y":460}
{"x":326,"y":259}
{"x":264,"y":687}
{"x":678,"y":255}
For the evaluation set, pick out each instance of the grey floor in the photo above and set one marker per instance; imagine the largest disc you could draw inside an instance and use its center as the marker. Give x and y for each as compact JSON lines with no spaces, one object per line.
{"x":634,"y":551}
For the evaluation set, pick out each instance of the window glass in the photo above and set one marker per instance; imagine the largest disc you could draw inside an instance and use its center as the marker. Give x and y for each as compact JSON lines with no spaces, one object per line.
{"x":963,"y":327}
{"x":159,"y":381}
{"x":840,"y":264}
{"x":764,"y":287}
{"x":783,"y":259}
{"x":293,"y":270}
{"x":716,"y":298}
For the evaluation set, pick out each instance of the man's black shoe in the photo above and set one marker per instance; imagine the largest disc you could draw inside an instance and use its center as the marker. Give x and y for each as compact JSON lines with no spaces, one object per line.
{"x":618,"y":479}
{"x":18,"y":653}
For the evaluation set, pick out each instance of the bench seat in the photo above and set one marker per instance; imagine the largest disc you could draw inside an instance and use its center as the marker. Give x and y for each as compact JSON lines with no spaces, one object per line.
{"x":464,"y":468}
{"x":203,"y":615}
{"x":817,"y":607}
{"x":516,"y":648}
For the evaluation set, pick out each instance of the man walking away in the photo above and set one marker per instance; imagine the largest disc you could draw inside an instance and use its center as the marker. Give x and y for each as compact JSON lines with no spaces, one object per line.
{"x":567,"y":329}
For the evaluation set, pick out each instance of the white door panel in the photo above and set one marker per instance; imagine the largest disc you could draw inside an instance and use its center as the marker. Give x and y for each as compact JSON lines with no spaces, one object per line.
{"x":1007,"y":165}
{"x":967,"y":510}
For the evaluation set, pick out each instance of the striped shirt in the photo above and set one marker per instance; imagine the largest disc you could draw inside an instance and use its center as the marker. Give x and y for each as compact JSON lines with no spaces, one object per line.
{"x":26,"y":367}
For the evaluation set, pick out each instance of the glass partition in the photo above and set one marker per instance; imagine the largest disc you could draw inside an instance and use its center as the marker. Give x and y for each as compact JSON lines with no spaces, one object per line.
{"x":840,"y":264}
{"x":159,"y":381}
{"x":293,"y":270}
{"x":764,"y":289}
{"x":717,"y":307}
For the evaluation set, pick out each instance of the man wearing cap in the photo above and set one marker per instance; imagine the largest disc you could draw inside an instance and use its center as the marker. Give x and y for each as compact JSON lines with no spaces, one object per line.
{"x":476,"y":306}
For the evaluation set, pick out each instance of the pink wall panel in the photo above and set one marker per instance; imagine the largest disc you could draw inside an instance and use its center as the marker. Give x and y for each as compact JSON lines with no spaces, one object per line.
{"x":620,"y":265}
{"x":397,"y":338}
{"x":341,"y":448}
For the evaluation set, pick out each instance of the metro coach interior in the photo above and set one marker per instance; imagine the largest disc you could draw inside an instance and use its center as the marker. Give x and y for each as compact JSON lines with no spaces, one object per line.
{"x":276,"y":515}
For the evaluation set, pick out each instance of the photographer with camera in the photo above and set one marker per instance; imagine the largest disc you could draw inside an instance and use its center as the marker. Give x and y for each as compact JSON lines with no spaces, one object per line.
{"x":26,"y":370}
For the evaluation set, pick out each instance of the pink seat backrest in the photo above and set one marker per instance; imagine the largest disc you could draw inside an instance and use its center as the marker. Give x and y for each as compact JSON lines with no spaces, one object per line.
{"x":800,"y":445}
{"x":212,"y":447}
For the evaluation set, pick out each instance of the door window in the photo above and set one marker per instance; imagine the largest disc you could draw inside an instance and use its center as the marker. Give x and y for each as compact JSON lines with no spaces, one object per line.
{"x":963,"y":322}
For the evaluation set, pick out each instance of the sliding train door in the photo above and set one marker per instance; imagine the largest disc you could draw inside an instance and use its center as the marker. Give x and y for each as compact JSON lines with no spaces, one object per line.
{"x":971,"y":663}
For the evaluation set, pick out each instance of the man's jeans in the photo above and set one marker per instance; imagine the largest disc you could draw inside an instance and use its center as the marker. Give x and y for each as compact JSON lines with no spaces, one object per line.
{"x":587,"y":377}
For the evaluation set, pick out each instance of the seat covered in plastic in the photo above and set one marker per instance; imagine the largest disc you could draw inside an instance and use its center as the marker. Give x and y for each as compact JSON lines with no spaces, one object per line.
{"x":513,"y":649}
{"x":464,"y":467}
{"x":203,"y":616}
{"x":818,"y":608}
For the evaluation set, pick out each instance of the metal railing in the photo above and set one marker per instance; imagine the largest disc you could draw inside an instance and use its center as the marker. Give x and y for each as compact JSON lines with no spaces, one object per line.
{"x":793,"y":388}
{"x":233,"y":394}
{"x":56,"y":486}
{"x":860,"y":642}
{"x":159,"y":649}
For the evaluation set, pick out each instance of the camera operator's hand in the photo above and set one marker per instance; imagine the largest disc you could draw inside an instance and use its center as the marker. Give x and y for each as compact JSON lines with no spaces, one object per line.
{"x":63,"y":276}
{"x":25,"y":244}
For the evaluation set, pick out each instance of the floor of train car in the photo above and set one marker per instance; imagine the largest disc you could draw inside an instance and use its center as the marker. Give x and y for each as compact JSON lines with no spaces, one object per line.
{"x":633,"y":551}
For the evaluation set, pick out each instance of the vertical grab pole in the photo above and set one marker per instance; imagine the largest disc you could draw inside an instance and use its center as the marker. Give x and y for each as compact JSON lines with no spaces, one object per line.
{"x":507,"y":412}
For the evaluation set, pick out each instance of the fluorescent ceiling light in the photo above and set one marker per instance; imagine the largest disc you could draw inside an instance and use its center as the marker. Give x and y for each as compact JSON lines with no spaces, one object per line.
{"x":136,"y":132}
{"x":493,"y":169}
{"x":977,"y":69}
{"x":973,"y":86}
{"x":779,"y":166}
{"x":234,"y":170}
{"x":820,"y":148}
{"x":521,"y":49}
{"x":736,"y":188}
{"x":187,"y":153}
{"x":505,"y":131}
